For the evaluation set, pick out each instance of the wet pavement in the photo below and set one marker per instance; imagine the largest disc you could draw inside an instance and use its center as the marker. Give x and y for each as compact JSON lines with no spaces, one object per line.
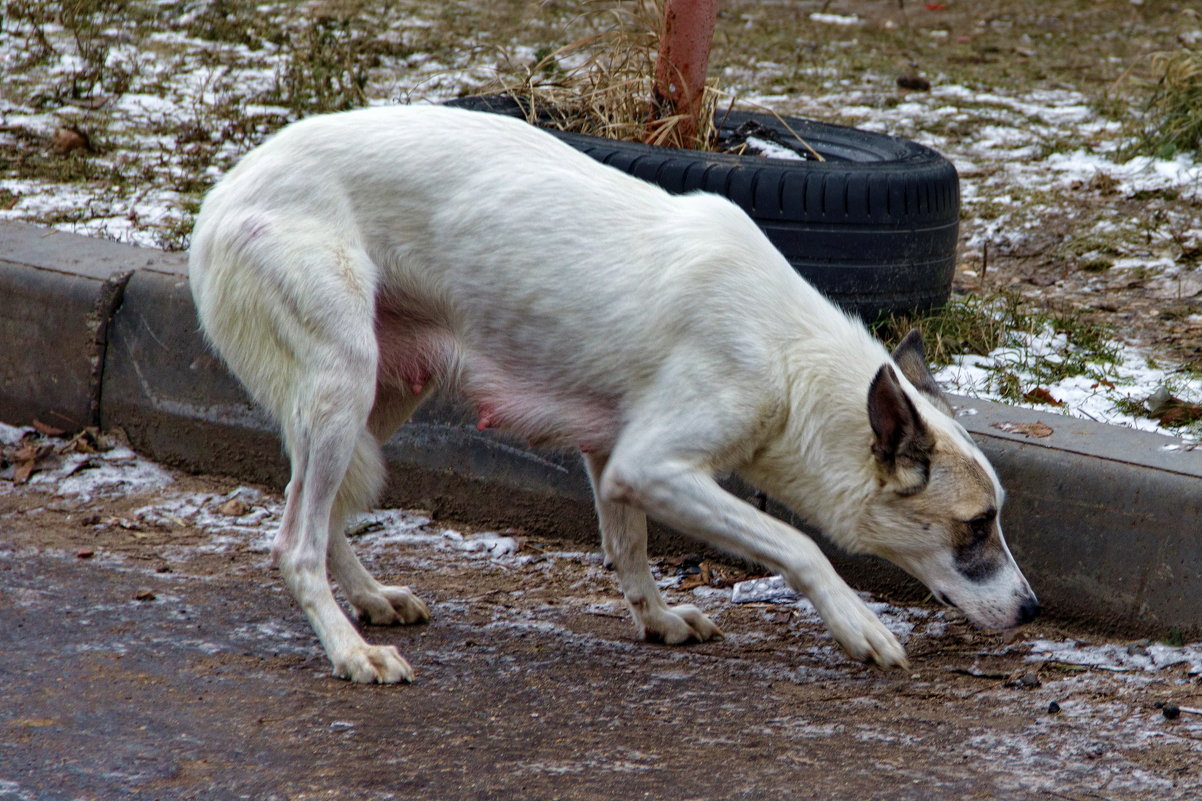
{"x":148,"y":650}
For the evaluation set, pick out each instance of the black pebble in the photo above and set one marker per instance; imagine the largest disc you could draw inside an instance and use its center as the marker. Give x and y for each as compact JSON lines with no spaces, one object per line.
{"x":1170,"y":711}
{"x":1053,"y":708}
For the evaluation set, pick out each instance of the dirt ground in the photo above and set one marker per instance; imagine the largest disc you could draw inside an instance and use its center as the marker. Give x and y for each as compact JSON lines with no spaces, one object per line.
{"x":148,"y":650}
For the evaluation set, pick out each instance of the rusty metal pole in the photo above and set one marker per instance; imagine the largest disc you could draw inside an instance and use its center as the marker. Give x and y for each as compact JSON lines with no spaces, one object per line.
{"x":684,"y":54}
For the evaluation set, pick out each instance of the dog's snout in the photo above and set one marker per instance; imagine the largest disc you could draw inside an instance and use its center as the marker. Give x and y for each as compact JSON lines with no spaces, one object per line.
{"x":1028,"y":611}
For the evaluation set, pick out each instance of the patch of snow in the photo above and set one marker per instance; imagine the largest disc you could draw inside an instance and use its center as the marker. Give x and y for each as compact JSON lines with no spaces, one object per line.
{"x":772,"y":150}
{"x":903,"y":621}
{"x":836,"y":19}
{"x":1112,"y":656}
{"x":83,"y":476}
{"x":254,"y":529}
{"x":1140,"y":174}
{"x":1131,"y":379}
{"x":104,"y":475}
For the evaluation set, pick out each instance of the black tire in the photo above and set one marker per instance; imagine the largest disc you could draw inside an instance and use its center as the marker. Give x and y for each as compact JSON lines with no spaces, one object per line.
{"x":874,"y":226}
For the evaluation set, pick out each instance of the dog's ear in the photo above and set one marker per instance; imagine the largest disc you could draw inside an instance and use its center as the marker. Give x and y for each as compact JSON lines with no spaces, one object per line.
{"x":901,"y":444}
{"x":911,"y":358}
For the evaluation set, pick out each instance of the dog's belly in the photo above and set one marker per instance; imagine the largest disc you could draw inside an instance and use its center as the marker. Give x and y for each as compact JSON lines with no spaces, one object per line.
{"x":545,"y":404}
{"x":515,"y":398}
{"x":414,"y":347}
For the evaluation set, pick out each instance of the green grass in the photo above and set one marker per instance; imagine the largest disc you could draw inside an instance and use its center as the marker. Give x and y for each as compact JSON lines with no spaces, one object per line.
{"x":982,"y":323}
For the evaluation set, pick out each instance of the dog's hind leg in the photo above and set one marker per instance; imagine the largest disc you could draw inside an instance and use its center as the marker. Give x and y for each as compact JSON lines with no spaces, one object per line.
{"x":373,"y":602}
{"x":324,"y":390}
{"x":624,"y":542}
{"x":289,"y":301}
{"x":319,"y":460}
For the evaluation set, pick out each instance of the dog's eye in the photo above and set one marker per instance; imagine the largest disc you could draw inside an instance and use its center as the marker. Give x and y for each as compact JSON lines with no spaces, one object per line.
{"x":981,"y":525}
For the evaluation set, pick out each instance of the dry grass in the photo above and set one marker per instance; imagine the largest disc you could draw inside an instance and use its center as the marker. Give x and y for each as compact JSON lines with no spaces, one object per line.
{"x":1172,"y":119}
{"x":602,"y":84}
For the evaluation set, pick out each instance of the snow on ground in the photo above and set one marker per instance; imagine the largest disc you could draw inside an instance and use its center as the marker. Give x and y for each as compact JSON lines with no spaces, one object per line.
{"x":1017,"y":151}
{"x":1131,"y":379}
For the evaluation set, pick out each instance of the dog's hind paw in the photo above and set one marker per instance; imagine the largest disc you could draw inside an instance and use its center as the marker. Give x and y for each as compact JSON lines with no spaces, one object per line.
{"x":391,"y":606}
{"x":678,"y":625}
{"x":373,"y":664}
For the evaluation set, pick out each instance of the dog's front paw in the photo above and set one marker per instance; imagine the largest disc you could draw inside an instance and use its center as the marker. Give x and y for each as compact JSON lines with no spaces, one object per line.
{"x":865,"y":637}
{"x":678,"y":625}
{"x":391,"y":606}
{"x":373,"y":664}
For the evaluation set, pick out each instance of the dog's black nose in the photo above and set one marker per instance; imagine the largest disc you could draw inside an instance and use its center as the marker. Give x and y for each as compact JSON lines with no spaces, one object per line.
{"x":1028,"y":611}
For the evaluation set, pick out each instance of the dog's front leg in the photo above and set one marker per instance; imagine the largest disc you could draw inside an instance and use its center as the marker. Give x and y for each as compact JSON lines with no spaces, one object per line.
{"x":691,"y":501}
{"x":624,"y":541}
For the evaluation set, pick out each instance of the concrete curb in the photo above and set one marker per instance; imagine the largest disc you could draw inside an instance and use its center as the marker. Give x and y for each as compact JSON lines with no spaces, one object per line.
{"x":1104,"y":520}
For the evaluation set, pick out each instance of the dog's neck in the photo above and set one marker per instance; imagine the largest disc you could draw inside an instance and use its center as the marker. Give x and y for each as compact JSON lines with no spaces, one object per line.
{"x":826,"y":421}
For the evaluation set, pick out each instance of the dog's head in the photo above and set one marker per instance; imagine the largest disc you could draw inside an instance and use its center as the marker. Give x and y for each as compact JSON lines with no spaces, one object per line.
{"x":936,"y":512}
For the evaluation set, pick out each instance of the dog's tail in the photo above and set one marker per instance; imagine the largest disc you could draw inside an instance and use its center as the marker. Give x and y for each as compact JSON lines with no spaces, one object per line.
{"x":364,"y":479}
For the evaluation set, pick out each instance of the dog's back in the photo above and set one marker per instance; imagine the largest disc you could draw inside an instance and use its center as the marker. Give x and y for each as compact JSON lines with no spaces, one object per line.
{"x":480,"y":245}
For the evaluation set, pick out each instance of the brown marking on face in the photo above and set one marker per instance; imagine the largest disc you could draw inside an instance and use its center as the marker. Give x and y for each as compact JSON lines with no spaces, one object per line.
{"x":960,"y":502}
{"x":971,"y":519}
{"x":959,"y":485}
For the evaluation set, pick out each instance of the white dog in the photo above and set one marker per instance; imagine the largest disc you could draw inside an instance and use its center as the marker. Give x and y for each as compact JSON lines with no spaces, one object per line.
{"x":358,"y":261}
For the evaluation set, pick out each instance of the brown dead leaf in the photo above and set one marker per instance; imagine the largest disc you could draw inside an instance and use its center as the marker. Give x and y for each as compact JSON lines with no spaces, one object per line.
{"x":22,"y":470}
{"x":723,"y":576}
{"x":69,"y":139}
{"x":1171,"y":410}
{"x":234,"y":507}
{"x":1180,"y":413}
{"x":86,"y":440}
{"x":913,"y":81}
{"x":1041,"y":395}
{"x":701,"y":578}
{"x":1037,"y":429}
{"x":45,"y":429}
{"x":27,"y":459}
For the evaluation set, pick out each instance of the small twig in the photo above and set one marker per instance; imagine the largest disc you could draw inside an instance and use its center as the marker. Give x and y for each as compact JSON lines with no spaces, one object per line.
{"x":595,"y":613}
